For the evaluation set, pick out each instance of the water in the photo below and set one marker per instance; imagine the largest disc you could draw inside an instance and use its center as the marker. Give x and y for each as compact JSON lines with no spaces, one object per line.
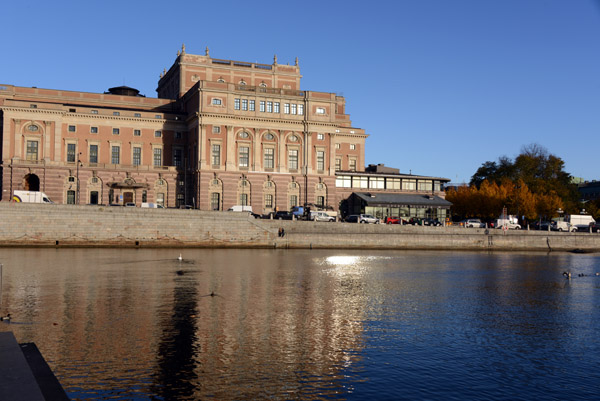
{"x":308,"y":325}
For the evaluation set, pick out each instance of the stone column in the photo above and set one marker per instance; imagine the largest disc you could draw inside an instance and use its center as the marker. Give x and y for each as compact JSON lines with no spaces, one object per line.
{"x":229,"y":145}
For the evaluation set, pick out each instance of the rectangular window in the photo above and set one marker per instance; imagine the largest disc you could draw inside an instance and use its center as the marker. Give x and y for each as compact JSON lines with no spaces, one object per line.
{"x":320,"y":110}
{"x":245,"y":104}
{"x":177,"y":135}
{"x":343,"y":181}
{"x":244,"y":156}
{"x":216,"y":155}
{"x":157,"y":134}
{"x":115,"y":155}
{"x":293,"y":201}
{"x":286,"y":108}
{"x":377,"y":182}
{"x":321,"y":201}
{"x":215,"y":201}
{"x":337,"y":145}
{"x":276,"y":107}
{"x":216,"y":129}
{"x":352,"y":164}
{"x":115,"y":131}
{"x":116,"y":113}
{"x":137,"y":132}
{"x":352,"y":146}
{"x":137,"y":115}
{"x":392,"y":183}
{"x":293,"y":159}
{"x":409,"y":185}
{"x":32,"y":150}
{"x":236,"y":104}
{"x":216,"y":102}
{"x":425,"y":185}
{"x":300,"y":109}
{"x":157,"y":157}
{"x":244,"y":199}
{"x":262,"y":106}
{"x":269,"y":107}
{"x":251,"y":105}
{"x":93,"y":130}
{"x":94,"y":111}
{"x":320,"y":137}
{"x":360,"y":182}
{"x":269,"y":158}
{"x":137,"y":156}
{"x":71,"y":128}
{"x":320,"y":160}
{"x":338,"y":164}
{"x":70,"y":197}
{"x":177,"y":157}
{"x":71,"y":153}
{"x":268,"y":201}
{"x":157,"y":116}
{"x":93,"y":153}
{"x":293,"y":108}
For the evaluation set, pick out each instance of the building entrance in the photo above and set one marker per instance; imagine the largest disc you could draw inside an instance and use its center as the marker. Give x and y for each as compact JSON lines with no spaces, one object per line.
{"x":127,"y":197}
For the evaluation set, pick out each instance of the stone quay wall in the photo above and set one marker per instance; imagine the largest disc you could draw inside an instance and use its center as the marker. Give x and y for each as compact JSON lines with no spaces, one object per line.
{"x":27,"y":224}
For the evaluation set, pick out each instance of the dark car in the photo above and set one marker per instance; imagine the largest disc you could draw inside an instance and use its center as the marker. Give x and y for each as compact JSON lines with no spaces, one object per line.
{"x":595,"y":227}
{"x":542,"y":225}
{"x":432,"y":222}
{"x":353,"y":218}
{"x":283,"y":215}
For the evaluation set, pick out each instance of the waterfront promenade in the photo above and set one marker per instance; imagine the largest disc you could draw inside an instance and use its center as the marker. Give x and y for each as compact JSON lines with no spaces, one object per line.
{"x":23,"y":224}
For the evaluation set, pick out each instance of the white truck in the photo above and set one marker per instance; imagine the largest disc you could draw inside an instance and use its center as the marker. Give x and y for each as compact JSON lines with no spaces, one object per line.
{"x":581,"y":222}
{"x":240,"y":208}
{"x":31,"y":197}
{"x":508,"y":222}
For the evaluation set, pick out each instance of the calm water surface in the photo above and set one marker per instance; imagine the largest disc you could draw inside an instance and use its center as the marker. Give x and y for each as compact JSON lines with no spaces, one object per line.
{"x":308,"y":325}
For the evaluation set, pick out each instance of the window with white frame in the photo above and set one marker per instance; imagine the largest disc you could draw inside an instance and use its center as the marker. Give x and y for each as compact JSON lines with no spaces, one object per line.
{"x":116,"y":131}
{"x":269,"y":159}
{"x":236,"y":104}
{"x":320,"y":160}
{"x":269,"y":201}
{"x":216,"y":154}
{"x":137,"y":155}
{"x":252,"y":105}
{"x":320,"y":110}
{"x":276,"y":107}
{"x":294,"y":108}
{"x":245,"y":104}
{"x":293,"y":201}
{"x":157,"y":159}
{"x":32,"y":150}
{"x":352,"y":146}
{"x":216,"y":129}
{"x":262,"y":106}
{"x":320,"y":137}
{"x":72,"y":128}
{"x":244,"y":156}
{"x":216,"y":102}
{"x":115,"y":154}
{"x":93,"y":153}
{"x":338,"y":164}
{"x":301,"y":109}
{"x":71,"y":150}
{"x":137,"y":132}
{"x":269,"y":107}
{"x":93,"y":130}
{"x":352,"y":164}
{"x":293,"y":159}
{"x":286,"y":108}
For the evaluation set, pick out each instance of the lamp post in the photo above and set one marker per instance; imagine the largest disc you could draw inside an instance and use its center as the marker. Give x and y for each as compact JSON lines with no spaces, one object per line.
{"x":78,"y":163}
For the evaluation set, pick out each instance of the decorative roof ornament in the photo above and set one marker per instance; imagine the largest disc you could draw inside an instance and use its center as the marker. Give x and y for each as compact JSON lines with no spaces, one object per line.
{"x":183,"y":48}
{"x":296,"y":61}
{"x":206,"y":52}
{"x":275,"y":59}
{"x":178,"y":53}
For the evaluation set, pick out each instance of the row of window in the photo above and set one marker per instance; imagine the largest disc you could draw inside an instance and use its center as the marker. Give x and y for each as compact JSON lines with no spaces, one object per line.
{"x":269,"y":201}
{"x":406,"y":184}
{"x":266,"y":106}
{"x":117,"y":131}
{"x":268,"y":157}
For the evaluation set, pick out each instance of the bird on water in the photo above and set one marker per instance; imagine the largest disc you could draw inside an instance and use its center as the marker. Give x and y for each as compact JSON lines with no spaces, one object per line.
{"x":5,"y":318}
{"x":180,"y":258}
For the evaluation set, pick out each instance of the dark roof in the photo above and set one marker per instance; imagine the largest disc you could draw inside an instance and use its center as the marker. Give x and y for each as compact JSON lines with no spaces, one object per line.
{"x":389,"y":199}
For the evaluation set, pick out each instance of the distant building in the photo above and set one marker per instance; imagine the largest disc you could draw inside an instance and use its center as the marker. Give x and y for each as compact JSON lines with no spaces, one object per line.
{"x":589,"y":190}
{"x":221,"y":133}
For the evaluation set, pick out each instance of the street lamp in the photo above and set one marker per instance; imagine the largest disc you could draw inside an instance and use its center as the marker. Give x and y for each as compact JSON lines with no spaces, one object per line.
{"x":78,"y":164}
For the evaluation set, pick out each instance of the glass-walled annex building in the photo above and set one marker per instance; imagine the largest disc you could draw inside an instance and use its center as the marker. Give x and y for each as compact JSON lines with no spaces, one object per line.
{"x":384,"y":192}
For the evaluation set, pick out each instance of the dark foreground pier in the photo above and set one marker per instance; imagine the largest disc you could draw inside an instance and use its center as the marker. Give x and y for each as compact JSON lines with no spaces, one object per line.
{"x":24,"y":374}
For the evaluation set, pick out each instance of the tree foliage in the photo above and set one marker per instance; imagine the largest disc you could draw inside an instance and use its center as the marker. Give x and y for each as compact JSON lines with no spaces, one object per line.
{"x":540,"y":184}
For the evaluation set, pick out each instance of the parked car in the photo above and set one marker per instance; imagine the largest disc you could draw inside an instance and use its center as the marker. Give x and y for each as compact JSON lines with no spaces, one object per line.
{"x":129,"y":204}
{"x":415,"y":221}
{"x":595,"y":226}
{"x":368,"y":219}
{"x":321,"y":216}
{"x":283,"y":215}
{"x":353,"y":218}
{"x":473,"y":223}
{"x":542,"y":225}
{"x":432,"y":222}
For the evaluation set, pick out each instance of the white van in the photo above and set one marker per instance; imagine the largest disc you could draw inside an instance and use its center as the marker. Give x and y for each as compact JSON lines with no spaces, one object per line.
{"x":31,"y":197}
{"x":240,"y":208}
{"x":580,"y":221}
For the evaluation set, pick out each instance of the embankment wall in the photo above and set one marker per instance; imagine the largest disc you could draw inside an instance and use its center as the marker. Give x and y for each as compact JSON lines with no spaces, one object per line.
{"x":87,"y":226}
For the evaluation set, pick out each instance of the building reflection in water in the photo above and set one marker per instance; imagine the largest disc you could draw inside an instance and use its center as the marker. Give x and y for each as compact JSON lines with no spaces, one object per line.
{"x":115,"y":323}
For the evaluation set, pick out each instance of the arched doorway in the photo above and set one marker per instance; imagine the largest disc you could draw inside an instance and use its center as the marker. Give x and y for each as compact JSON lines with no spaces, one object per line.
{"x":31,"y":182}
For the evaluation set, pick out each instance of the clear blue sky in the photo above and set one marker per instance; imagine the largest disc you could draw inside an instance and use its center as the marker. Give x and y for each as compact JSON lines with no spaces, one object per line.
{"x":441,"y":86}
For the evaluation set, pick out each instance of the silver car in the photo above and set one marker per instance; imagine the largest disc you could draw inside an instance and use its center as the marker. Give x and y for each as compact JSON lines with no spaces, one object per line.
{"x":476,"y":223}
{"x":367,"y":218}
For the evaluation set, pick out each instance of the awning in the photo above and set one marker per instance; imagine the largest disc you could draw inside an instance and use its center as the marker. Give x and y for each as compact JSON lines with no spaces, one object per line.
{"x":402,"y":200}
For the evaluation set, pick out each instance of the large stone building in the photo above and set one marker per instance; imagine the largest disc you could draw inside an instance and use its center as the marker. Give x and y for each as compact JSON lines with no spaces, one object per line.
{"x":221,"y":133}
